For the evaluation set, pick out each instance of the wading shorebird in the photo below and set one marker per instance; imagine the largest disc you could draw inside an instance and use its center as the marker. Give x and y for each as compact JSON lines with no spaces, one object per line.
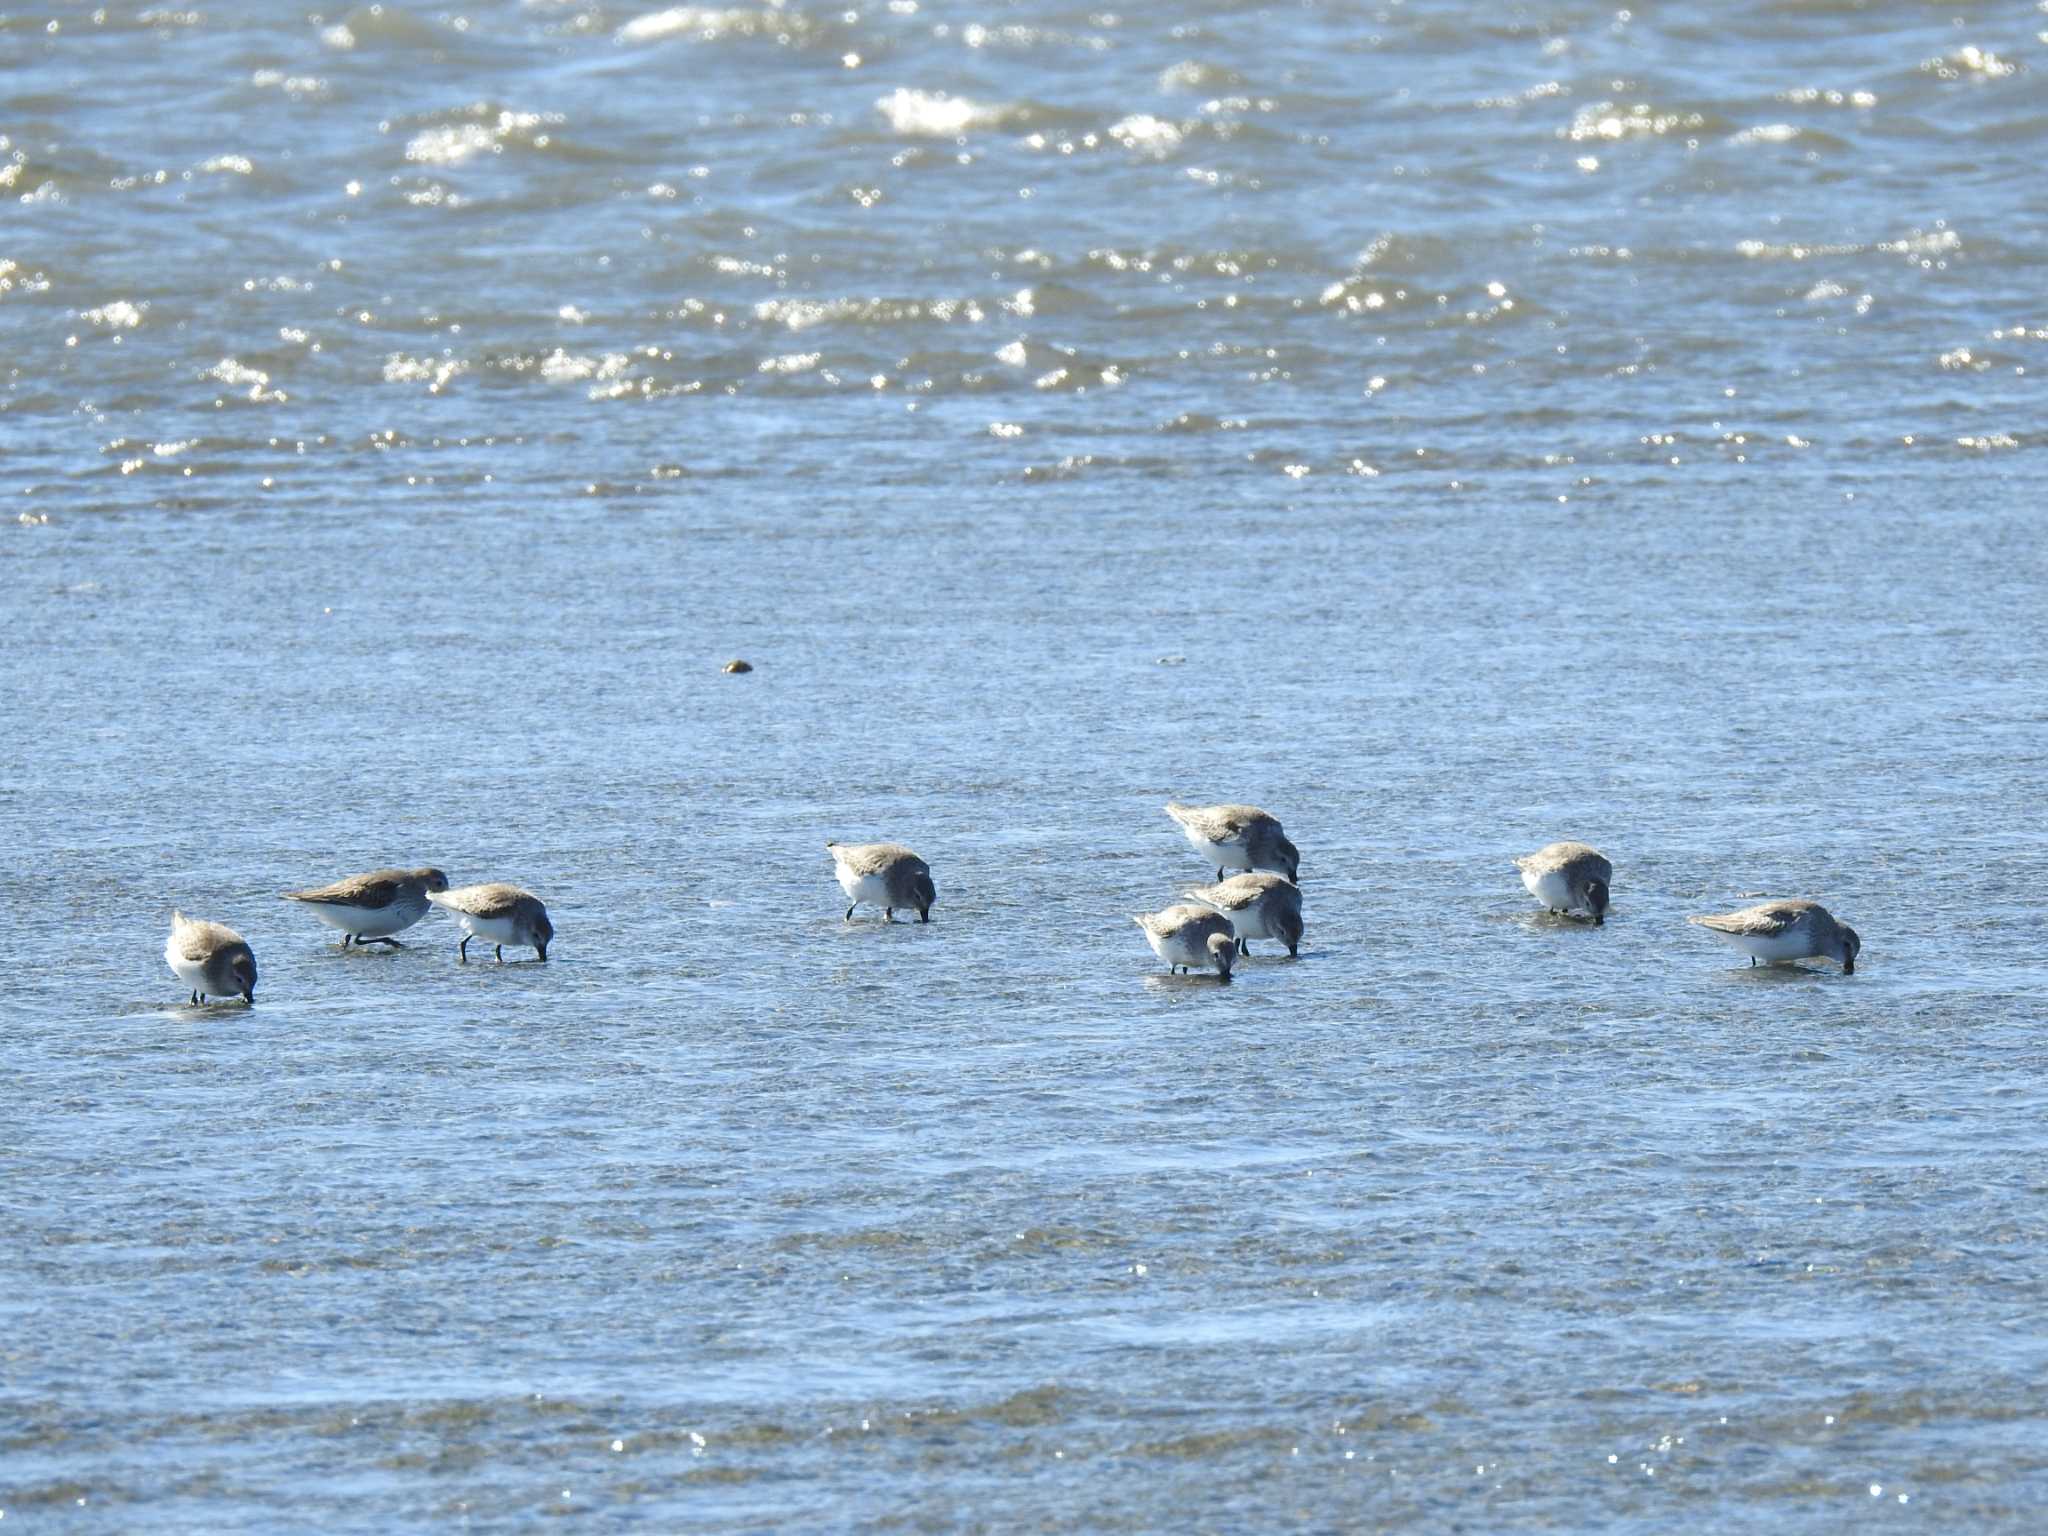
{"x":1186,"y":936}
{"x":885,"y":875}
{"x":369,"y":909}
{"x":1259,"y":907}
{"x":1237,"y":837}
{"x":499,"y":914}
{"x":211,"y":959}
{"x":1777,"y":931}
{"x":1568,"y":877}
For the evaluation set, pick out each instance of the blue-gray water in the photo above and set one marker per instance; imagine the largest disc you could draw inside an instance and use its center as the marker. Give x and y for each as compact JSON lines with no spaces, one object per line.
{"x":1452,"y":427}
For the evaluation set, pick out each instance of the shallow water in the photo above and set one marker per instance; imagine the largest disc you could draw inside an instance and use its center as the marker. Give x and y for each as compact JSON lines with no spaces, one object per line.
{"x":1450,"y":432}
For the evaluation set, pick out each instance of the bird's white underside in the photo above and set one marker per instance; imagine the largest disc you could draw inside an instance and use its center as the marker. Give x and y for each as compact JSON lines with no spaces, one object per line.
{"x":1247,"y":921}
{"x":498,"y":930}
{"x":365,"y":922}
{"x":872,"y":889}
{"x":1183,"y":946}
{"x":1771,"y":948}
{"x":1550,"y":887}
{"x":1223,"y":855}
{"x":190,"y":972}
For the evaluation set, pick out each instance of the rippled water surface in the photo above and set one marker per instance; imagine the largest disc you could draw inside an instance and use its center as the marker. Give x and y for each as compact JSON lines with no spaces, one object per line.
{"x":1453,"y":427}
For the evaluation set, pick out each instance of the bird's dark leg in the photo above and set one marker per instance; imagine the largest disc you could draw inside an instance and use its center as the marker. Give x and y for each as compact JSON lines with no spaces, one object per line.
{"x":499,"y":951}
{"x":345,"y":939}
{"x":195,"y":999}
{"x":849,"y":912}
{"x":888,"y":914}
{"x":387,"y":939}
{"x":1219,"y":871}
{"x":462,"y":949}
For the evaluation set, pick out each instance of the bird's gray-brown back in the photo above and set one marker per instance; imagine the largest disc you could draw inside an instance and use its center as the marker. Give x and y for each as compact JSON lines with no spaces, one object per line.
{"x":1768,"y":918}
{"x":200,"y":941}
{"x":1220,"y":823}
{"x":1197,"y":922}
{"x":378,"y":888}
{"x":1241,"y":892}
{"x":496,"y":899}
{"x":876,"y":858}
{"x":1573,"y":860}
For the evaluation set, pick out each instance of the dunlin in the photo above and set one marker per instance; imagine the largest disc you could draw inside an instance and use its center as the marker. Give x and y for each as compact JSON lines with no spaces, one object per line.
{"x":1188,"y":936}
{"x":1787,"y":930}
{"x":1568,"y":877}
{"x":369,"y":909}
{"x":499,"y":914}
{"x":1238,"y":837}
{"x":1258,"y":906}
{"x":210,"y":959}
{"x":885,"y":875}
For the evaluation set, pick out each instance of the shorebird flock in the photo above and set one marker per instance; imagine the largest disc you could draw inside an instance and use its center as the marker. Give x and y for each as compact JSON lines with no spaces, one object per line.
{"x":215,"y":961}
{"x":1211,"y":930}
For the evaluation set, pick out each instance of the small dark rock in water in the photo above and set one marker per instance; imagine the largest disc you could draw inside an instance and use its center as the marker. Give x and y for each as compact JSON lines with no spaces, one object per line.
{"x":737,"y":665}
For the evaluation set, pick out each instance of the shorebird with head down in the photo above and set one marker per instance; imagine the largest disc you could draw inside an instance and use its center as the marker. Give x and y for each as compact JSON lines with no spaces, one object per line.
{"x":1237,"y":837}
{"x":1568,"y":877}
{"x":369,"y":909}
{"x":1259,"y":906}
{"x":885,"y":875}
{"x":1774,"y":932}
{"x":210,"y":958}
{"x":499,"y":914}
{"x":1186,"y":936}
